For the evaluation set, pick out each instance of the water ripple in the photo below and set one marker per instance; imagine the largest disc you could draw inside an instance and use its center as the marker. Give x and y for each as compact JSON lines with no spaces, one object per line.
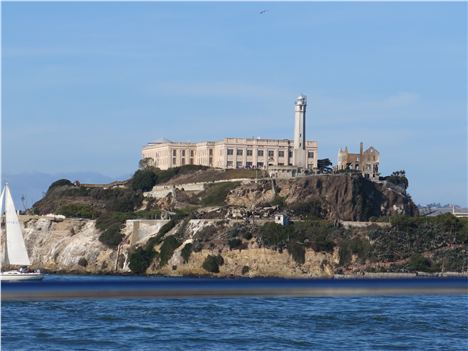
{"x":253,"y":323}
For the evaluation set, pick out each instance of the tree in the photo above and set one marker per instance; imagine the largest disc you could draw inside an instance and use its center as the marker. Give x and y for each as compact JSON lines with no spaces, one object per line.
{"x":398,"y":178}
{"x":146,"y":163}
{"x":144,"y":179}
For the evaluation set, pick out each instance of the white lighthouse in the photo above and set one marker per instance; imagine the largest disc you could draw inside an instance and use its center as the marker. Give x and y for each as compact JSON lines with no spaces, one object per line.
{"x":299,"y":132}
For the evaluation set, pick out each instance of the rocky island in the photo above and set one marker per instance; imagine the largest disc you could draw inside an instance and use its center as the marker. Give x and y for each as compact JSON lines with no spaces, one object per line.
{"x":194,"y":220}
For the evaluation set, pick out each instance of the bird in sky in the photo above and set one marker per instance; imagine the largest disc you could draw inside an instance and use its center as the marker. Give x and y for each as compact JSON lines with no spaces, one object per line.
{"x":263,"y":11}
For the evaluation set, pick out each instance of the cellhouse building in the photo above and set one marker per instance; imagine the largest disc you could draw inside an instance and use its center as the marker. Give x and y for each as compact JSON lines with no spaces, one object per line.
{"x":239,"y":152}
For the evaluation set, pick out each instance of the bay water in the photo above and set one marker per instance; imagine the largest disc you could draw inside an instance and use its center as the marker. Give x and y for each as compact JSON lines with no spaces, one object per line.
{"x":406,"y":321}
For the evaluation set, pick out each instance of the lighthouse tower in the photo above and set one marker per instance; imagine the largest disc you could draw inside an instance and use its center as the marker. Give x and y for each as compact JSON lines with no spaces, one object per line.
{"x":299,"y":131}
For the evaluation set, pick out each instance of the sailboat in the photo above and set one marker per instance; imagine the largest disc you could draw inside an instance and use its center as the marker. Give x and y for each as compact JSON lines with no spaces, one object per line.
{"x":14,"y":252}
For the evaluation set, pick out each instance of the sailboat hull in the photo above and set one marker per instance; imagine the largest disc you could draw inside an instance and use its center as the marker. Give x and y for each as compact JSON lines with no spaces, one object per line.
{"x":14,"y":276}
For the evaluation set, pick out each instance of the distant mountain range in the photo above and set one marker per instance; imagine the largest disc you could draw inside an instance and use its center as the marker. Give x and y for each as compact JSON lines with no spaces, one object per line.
{"x":435,"y":209}
{"x":27,"y":188}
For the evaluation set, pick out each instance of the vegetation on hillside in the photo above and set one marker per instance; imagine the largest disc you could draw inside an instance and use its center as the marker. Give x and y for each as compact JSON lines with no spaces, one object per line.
{"x":212,"y":263}
{"x":398,"y":178}
{"x":215,"y":195}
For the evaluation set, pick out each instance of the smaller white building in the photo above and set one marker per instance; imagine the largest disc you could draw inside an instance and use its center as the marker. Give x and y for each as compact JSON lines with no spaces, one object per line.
{"x":281,"y":219}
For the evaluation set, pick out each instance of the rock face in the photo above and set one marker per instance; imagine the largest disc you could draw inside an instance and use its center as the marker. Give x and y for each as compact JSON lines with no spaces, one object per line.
{"x":344,"y":197}
{"x":72,"y":246}
{"x":69,"y":245}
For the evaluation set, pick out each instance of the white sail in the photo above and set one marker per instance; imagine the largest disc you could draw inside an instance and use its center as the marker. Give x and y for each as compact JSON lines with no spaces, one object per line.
{"x":16,"y":249}
{"x":2,"y":241}
{"x":1,"y":204}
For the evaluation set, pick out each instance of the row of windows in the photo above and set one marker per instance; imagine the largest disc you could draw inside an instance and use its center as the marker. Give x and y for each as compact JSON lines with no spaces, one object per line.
{"x":247,"y":165}
{"x":271,"y":153}
{"x":192,"y":153}
{"x":182,"y":161}
{"x":239,"y":164}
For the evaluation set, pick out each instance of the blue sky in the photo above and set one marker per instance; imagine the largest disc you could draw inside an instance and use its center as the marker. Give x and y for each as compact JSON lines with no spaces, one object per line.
{"x":86,"y":85}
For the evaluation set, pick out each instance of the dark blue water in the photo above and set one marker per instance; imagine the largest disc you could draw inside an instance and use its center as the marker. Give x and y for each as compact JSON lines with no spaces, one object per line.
{"x":397,"y":322}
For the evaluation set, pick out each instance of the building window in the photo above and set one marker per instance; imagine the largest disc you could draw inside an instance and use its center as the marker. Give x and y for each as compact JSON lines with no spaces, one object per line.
{"x":211,"y":161}
{"x":249,"y":165}
{"x":310,"y":154}
{"x":173,"y":160}
{"x":183,"y":161}
{"x":230,"y":151}
{"x":211,"y":152}
{"x":191,"y":153}
{"x":240,"y":152}
{"x":229,"y":163}
{"x":260,"y":153}
{"x":280,"y":164}
{"x":238,"y":164}
{"x":174,"y":153}
{"x":271,"y":153}
{"x":183,"y":153}
{"x":249,"y":152}
{"x":191,"y":161}
{"x":290,"y":154}
{"x":280,"y":153}
{"x":260,"y":164}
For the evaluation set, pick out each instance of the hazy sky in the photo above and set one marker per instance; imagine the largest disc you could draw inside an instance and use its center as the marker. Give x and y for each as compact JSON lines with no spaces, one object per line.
{"x":86,"y":85}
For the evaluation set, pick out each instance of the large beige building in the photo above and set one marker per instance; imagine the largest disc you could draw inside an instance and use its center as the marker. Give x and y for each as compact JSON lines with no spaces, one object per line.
{"x":239,"y":152}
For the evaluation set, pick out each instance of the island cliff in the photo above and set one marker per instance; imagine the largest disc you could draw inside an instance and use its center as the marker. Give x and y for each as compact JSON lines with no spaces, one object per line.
{"x":338,"y":224}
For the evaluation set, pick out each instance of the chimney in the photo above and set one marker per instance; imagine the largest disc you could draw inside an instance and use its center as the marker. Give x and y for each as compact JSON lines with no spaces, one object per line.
{"x":361,"y":161}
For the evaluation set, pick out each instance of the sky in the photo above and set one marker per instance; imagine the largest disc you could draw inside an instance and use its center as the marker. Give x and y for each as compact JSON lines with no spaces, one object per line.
{"x":86,"y":85}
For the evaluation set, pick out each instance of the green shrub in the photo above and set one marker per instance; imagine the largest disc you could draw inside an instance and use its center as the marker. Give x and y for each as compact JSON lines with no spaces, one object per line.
{"x":247,"y":235}
{"x":112,"y":236}
{"x":235,"y":230}
{"x":398,"y":178}
{"x":167,"y":227}
{"x":321,"y":243}
{"x":297,"y":252}
{"x":345,"y":253}
{"x":358,"y":246}
{"x":123,"y":200}
{"x":144,"y":179}
{"x":186,"y":252}
{"x":110,"y":224}
{"x":273,"y":235}
{"x":166,"y":175}
{"x":418,"y":262}
{"x":311,"y":209}
{"x":215,"y":195}
{"x":184,"y":213}
{"x":212,"y":263}
{"x":449,"y":222}
{"x":155,"y":240}
{"x":60,"y":182}
{"x":77,"y":210}
{"x":167,"y":250}
{"x":140,"y":259}
{"x":235,"y":243}
{"x":83,"y":262}
{"x":148,"y":214}
{"x":105,"y":220}
{"x":278,"y":201}
{"x":207,"y":233}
